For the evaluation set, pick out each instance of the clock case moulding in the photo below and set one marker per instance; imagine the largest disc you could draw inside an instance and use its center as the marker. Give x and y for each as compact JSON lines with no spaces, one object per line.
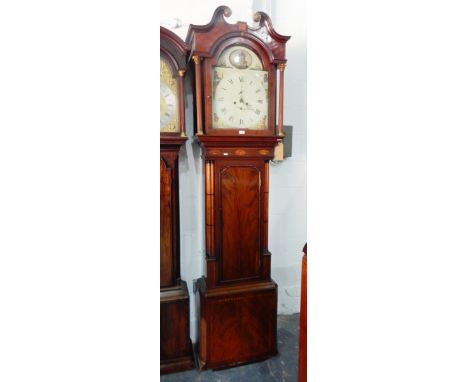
{"x":236,"y":299}
{"x":175,"y":345}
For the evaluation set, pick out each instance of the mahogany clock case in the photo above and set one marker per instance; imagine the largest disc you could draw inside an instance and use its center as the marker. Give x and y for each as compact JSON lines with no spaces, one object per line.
{"x":175,"y":344}
{"x":237,"y":298}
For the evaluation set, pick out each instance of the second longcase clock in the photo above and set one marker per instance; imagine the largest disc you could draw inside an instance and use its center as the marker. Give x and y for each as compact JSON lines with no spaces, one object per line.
{"x":236,"y":71}
{"x":175,"y":346}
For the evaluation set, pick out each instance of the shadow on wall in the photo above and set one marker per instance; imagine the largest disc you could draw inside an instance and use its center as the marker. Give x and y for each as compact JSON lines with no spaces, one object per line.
{"x":289,"y":292}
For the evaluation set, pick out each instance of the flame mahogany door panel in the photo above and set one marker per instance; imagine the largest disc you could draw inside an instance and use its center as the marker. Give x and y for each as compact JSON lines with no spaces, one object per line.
{"x":240,"y":208}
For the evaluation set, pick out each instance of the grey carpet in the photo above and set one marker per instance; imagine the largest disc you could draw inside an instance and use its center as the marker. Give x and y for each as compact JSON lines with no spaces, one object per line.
{"x":280,"y":368}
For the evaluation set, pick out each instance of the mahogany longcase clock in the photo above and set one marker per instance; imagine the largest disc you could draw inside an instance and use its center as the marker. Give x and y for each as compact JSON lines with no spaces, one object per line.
{"x":236,"y":71}
{"x":176,"y":347}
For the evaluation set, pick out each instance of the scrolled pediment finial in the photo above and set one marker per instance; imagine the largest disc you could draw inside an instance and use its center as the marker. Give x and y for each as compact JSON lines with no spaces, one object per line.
{"x":259,"y":16}
{"x":221,"y":11}
{"x":227,"y":11}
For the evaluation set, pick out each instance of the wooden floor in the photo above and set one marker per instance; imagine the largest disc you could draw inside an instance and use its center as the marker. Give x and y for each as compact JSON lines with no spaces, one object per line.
{"x":280,"y":368}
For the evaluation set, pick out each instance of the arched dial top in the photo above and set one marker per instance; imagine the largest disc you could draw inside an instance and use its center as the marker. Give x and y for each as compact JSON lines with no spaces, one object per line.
{"x":169,"y":104}
{"x":240,"y":90}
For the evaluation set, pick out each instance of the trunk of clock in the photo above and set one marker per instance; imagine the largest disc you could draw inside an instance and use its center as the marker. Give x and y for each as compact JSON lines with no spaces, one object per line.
{"x":176,"y":346}
{"x":237,"y":298}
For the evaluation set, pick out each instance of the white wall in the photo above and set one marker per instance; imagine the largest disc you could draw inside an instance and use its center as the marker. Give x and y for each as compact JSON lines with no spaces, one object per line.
{"x":287,"y":228}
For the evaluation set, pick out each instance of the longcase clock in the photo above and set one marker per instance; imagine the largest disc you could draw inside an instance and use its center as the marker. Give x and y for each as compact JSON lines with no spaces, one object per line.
{"x":176,"y":347}
{"x":237,"y":99}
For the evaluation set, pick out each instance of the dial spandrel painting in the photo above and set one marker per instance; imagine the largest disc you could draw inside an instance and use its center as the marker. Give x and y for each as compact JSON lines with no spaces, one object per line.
{"x":240,"y":91}
{"x":168,"y":106}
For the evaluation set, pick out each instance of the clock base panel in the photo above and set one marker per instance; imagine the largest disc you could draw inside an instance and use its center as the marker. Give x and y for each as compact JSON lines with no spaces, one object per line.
{"x":176,"y":346}
{"x":237,"y":323}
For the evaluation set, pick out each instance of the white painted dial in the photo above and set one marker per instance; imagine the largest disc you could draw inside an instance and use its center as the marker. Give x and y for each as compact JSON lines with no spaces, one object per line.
{"x":240,"y":99}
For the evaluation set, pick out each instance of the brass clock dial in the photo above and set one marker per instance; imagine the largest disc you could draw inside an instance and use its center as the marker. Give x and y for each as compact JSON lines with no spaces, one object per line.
{"x":240,"y":91}
{"x":168,"y":104}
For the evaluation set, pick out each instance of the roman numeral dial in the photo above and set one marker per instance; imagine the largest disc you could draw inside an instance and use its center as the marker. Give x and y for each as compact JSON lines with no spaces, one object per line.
{"x":168,"y":107}
{"x":240,"y":99}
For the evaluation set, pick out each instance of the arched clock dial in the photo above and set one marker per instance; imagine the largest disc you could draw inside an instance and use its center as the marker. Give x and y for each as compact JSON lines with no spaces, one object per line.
{"x":168,"y":105}
{"x":240,"y":91}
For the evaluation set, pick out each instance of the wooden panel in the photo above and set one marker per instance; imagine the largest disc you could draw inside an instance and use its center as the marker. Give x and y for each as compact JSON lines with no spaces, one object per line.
{"x":237,"y":326}
{"x":175,"y":344}
{"x":166,"y":235}
{"x":242,"y":327}
{"x":245,"y":152}
{"x":174,"y":323}
{"x":240,"y":217}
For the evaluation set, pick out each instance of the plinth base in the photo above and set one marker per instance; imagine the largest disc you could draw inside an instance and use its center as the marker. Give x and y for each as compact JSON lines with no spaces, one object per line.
{"x":176,"y":346}
{"x":237,"y":323}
